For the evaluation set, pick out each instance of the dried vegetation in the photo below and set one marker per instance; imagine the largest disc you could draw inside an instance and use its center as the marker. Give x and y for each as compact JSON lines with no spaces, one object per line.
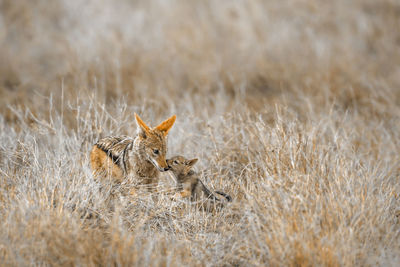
{"x":293,"y":108}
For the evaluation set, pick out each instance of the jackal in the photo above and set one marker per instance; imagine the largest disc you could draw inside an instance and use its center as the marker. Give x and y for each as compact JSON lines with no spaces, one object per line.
{"x":191,"y":186}
{"x":140,"y":158}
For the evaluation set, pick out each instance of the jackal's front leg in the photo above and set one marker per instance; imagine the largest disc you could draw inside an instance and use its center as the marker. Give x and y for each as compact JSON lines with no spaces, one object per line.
{"x":182,"y":194}
{"x":185,"y":193}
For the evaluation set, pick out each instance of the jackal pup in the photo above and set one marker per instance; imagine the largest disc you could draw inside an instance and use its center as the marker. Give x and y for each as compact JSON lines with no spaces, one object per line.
{"x":191,"y":186}
{"x":142,"y":157}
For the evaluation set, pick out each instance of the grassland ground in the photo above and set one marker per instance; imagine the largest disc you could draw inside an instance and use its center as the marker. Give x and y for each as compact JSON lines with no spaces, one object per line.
{"x":293,"y":109}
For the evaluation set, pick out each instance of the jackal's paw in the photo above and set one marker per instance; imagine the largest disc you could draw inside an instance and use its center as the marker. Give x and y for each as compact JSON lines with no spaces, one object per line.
{"x":176,"y":196}
{"x":132,"y":192}
{"x":180,"y":195}
{"x":185,"y":193}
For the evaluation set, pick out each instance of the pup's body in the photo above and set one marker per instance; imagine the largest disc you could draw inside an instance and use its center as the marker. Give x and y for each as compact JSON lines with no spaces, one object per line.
{"x":119,"y":157}
{"x":190,"y":184}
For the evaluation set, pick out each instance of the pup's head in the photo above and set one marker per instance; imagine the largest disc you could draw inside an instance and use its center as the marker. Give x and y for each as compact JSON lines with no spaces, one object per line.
{"x":154,"y":141}
{"x":180,"y":166}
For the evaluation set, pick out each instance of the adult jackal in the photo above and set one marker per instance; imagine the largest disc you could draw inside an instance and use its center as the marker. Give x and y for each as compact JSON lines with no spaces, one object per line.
{"x":141,"y":158}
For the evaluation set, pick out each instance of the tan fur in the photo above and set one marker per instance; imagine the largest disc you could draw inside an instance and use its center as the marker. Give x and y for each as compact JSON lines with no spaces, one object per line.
{"x":100,"y":161}
{"x":142,"y":158}
{"x":190,"y":185}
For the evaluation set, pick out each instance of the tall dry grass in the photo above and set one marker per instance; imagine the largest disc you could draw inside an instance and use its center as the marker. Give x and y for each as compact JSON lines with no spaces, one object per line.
{"x":292,"y":108}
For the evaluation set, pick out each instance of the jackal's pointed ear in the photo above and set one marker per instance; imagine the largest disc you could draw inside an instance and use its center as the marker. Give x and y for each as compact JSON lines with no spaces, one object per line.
{"x":143,"y":128}
{"x":166,"y":125}
{"x":191,"y":162}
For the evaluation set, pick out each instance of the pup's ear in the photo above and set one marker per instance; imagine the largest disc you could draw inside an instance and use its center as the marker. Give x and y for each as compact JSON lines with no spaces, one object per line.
{"x":143,"y":128}
{"x":166,"y":125}
{"x":192,"y":162}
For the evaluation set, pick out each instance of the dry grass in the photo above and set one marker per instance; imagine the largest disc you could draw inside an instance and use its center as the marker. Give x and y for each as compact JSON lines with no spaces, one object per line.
{"x":293,"y":108}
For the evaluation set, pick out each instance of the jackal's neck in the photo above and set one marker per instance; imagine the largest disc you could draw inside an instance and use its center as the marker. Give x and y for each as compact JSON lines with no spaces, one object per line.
{"x":140,"y":165}
{"x":186,"y":177}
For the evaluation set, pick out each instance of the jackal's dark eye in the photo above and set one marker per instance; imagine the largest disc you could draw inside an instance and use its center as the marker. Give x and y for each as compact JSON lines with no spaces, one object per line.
{"x":156,"y":151}
{"x":175,"y":162}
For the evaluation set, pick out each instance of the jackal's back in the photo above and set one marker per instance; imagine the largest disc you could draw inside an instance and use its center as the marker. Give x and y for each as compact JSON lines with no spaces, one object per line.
{"x":109,"y":157}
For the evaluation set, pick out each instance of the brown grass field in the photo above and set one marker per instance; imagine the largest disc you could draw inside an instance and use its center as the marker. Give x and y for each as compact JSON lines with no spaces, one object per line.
{"x":292,"y":107}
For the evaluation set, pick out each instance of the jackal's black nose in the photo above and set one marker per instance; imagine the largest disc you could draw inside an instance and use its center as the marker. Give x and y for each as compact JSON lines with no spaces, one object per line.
{"x":167,"y":168}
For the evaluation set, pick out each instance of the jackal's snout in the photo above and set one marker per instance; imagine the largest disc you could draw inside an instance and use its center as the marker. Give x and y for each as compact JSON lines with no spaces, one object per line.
{"x":161,"y":164}
{"x":164,"y":165}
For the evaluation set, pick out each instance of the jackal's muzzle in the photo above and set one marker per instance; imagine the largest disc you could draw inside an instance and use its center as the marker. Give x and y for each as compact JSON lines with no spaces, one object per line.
{"x":161,"y":169}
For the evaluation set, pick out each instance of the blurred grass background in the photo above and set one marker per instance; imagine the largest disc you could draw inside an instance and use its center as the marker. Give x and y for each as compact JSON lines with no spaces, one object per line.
{"x":177,"y":50}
